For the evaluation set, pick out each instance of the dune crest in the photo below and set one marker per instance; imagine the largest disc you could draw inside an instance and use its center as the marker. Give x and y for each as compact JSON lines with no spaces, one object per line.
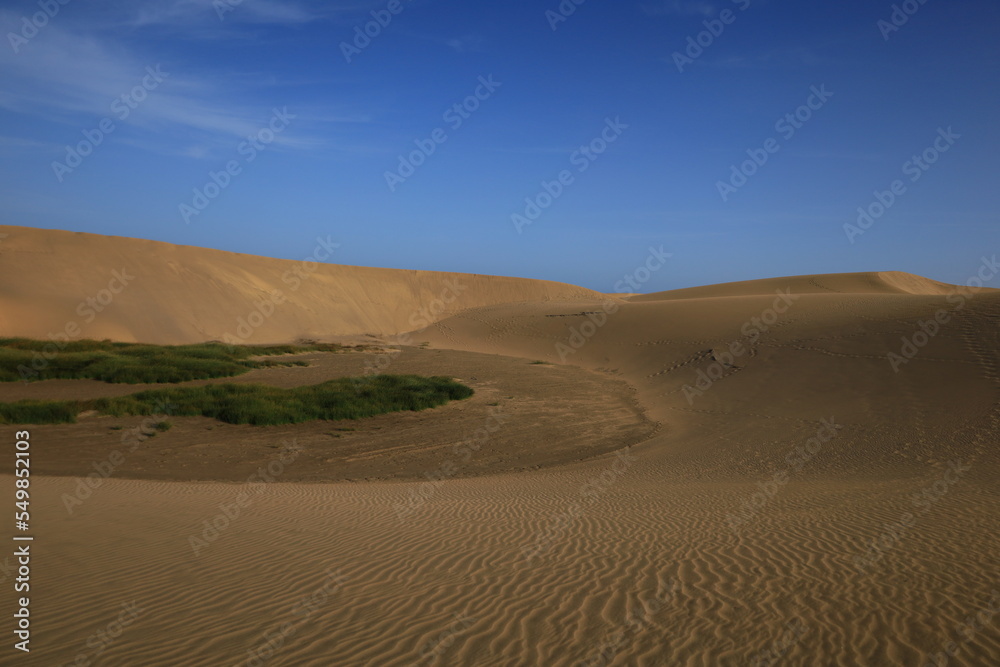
{"x":172,"y":294}
{"x":908,"y":283}
{"x":881,"y":282}
{"x":711,"y":476}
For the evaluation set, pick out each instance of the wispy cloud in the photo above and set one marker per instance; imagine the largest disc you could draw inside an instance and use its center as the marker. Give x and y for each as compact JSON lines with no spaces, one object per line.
{"x":16,"y":144}
{"x":185,"y":13}
{"x":74,"y":77}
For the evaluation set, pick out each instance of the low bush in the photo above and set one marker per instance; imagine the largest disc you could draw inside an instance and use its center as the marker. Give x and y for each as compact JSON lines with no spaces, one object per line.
{"x":135,"y":363}
{"x":260,"y":405}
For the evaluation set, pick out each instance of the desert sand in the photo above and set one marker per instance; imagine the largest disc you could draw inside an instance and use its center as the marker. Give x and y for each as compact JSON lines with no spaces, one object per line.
{"x":796,"y":471}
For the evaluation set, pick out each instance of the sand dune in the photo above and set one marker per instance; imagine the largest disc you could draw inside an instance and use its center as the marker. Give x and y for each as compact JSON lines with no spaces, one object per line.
{"x":179,"y":294}
{"x":883,"y":282}
{"x":797,"y":496}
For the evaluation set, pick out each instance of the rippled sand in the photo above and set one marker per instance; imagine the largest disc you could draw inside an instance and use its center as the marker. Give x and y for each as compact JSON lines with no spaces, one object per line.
{"x":810,"y":505}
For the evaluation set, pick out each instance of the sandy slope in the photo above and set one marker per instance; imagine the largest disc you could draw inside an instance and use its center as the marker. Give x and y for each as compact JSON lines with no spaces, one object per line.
{"x":181,"y":294}
{"x":883,"y":282}
{"x":517,"y":404}
{"x":744,"y":524}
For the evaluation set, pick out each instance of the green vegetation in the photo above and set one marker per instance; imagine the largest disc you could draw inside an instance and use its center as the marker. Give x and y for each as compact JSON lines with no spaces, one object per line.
{"x":25,"y":359}
{"x":260,"y":405}
{"x":162,"y":426}
{"x":39,"y":412}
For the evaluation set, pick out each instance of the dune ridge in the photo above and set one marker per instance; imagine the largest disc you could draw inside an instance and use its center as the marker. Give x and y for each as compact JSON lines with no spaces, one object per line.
{"x":173,"y":294}
{"x":727,"y":533}
{"x":875,"y":282}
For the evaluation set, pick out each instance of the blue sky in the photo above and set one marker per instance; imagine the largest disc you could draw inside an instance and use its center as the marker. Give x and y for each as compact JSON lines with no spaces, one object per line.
{"x":207,"y":85}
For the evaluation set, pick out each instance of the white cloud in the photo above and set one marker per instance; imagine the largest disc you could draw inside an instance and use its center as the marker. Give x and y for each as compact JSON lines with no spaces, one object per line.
{"x":185,"y":13}
{"x":12,"y":144}
{"x":73,"y":77}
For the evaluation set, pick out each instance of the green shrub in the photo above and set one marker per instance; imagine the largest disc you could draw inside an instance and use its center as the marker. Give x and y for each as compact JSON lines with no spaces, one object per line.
{"x":38,"y":412}
{"x":135,"y":363}
{"x":257,"y":404}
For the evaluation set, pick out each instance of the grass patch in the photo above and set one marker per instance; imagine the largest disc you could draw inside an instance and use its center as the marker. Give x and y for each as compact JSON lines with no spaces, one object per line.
{"x":257,"y":404}
{"x":163,"y":426}
{"x":134,"y":363}
{"x":539,"y":363}
{"x":38,"y":412}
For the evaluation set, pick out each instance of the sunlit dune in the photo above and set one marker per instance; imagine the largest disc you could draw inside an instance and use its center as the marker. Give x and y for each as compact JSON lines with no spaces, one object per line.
{"x":722,"y":475}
